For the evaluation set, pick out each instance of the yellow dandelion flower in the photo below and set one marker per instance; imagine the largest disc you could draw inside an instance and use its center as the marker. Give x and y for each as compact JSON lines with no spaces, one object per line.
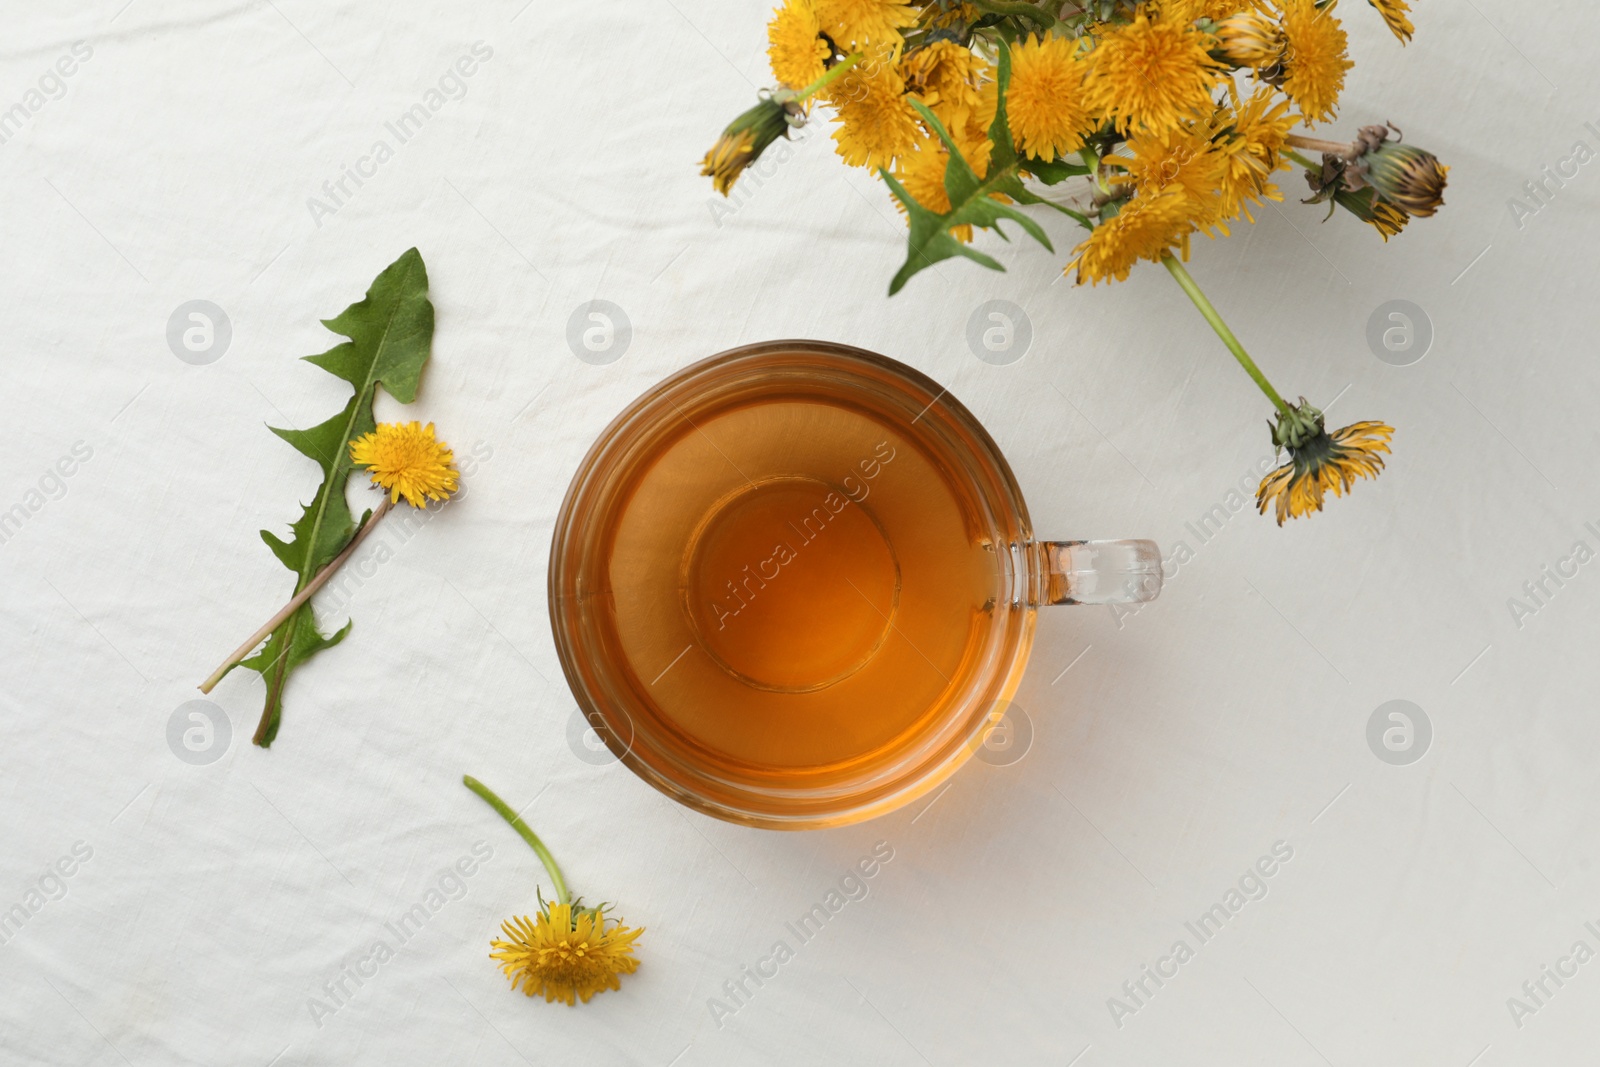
{"x":948,"y":78}
{"x":407,"y":460}
{"x":1252,"y":139}
{"x":1395,"y":14}
{"x":1315,"y":57}
{"x":1045,"y":101}
{"x":876,"y":124}
{"x":1151,"y":73}
{"x":1183,"y":158}
{"x":565,"y":953}
{"x":1147,"y":227}
{"x":854,"y":24}
{"x":795,"y":45}
{"x":922,"y":174}
{"x":1319,"y":462}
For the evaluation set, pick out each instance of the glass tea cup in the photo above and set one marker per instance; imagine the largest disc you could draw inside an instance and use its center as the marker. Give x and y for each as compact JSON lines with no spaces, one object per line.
{"x":794,"y":585}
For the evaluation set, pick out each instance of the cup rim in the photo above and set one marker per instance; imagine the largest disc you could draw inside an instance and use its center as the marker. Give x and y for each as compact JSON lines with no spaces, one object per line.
{"x":1014,"y":569}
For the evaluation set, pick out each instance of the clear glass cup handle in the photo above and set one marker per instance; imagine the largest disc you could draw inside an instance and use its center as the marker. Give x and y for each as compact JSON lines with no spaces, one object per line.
{"x":1096,"y":572}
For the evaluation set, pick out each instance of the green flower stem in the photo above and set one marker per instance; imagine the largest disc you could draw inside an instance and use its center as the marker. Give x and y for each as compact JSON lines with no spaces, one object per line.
{"x":1302,"y":160}
{"x":549,"y":861}
{"x":827,"y":78}
{"x":1188,"y":285}
{"x":1091,"y":159}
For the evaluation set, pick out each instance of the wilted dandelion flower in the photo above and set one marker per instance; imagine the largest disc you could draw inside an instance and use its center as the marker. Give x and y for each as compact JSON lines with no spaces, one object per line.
{"x":1319,"y":462}
{"x":1367,"y":206}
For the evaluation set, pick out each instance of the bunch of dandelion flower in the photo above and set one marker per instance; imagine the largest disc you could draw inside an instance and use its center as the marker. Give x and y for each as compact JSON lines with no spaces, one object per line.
{"x":407,"y":461}
{"x":566,"y":951}
{"x":1143,"y":98}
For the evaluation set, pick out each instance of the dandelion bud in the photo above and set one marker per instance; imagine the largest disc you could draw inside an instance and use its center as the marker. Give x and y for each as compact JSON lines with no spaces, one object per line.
{"x":1249,"y":40}
{"x":1409,"y":178}
{"x":1380,"y":181}
{"x":749,"y":135}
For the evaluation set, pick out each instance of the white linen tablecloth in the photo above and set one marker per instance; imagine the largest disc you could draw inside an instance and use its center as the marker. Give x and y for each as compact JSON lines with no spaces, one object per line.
{"x":1199,"y":771}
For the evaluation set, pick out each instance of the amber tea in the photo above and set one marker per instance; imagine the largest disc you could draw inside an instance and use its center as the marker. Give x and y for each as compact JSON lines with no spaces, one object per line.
{"x":795,"y":581}
{"x":791,"y":583}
